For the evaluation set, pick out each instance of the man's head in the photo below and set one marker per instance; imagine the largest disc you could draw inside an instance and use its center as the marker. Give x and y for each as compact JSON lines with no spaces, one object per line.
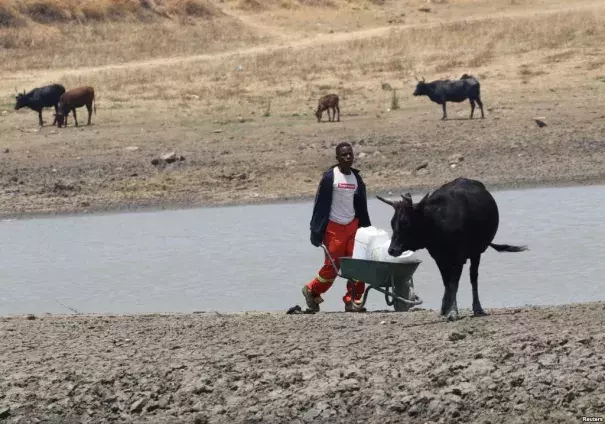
{"x":344,"y":155}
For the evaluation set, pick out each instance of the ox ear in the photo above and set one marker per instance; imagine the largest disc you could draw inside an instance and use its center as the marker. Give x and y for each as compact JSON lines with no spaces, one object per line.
{"x":388,"y":202}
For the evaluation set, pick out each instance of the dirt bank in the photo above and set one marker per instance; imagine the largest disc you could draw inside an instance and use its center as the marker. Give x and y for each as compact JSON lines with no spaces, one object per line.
{"x":233,"y":93}
{"x":108,"y":166}
{"x":517,"y":365}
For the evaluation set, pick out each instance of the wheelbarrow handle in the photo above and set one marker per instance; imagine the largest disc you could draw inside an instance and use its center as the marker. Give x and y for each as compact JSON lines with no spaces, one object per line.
{"x":331,"y":260}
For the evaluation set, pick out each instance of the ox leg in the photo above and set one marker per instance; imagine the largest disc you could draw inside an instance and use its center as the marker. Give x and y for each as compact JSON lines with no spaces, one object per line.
{"x":472,"y":107}
{"x":474,"y":274}
{"x":329,"y":117}
{"x":338,"y":110}
{"x":444,"y":112}
{"x":89,"y":108}
{"x":480,"y":103}
{"x":40,"y":118}
{"x":75,"y":117}
{"x":56,"y":112}
{"x":445,"y":276}
{"x":450,"y":273}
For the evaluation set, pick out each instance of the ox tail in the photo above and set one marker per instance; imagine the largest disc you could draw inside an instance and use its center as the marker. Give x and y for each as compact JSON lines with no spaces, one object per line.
{"x":508,"y":247}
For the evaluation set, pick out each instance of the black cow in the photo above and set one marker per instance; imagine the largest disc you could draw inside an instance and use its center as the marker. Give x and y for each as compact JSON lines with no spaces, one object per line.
{"x":456,"y":222}
{"x":442,"y":91}
{"x":39,"y":98}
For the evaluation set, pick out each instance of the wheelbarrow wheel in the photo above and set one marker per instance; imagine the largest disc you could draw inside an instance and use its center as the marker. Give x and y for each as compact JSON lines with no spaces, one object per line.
{"x":405,"y":290}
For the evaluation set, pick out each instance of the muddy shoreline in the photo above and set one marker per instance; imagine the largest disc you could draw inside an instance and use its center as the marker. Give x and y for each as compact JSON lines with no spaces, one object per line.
{"x":160,"y":205}
{"x":539,"y":364}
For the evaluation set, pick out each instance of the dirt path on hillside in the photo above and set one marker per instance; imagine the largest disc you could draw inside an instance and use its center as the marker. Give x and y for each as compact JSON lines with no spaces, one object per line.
{"x":305,"y":42}
{"x":263,"y":29}
{"x":516,"y":365}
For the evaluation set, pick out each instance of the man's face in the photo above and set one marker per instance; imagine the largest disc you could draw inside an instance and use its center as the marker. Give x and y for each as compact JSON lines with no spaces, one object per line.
{"x":345,"y":157}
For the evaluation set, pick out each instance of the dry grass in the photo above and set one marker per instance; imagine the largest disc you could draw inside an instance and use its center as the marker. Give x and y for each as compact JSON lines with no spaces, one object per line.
{"x":100,"y":43}
{"x":39,"y":34}
{"x":269,"y":66}
{"x":17,"y":12}
{"x":514,"y":49}
{"x":293,"y":81}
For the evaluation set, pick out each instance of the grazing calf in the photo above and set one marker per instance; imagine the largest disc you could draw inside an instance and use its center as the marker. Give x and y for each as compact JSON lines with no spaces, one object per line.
{"x":75,"y":98}
{"x":39,"y":98}
{"x":325,"y":103}
{"x":455,"y":223}
{"x":442,"y":91}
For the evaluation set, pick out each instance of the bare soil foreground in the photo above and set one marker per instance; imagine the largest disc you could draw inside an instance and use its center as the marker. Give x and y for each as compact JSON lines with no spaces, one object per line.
{"x":516,"y":365}
{"x":231,"y":87}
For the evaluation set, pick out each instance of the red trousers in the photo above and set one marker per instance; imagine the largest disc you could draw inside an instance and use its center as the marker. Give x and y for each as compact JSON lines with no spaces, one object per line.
{"x":339,"y":239}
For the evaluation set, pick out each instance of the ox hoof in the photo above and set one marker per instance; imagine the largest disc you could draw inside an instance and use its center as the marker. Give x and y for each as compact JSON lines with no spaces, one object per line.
{"x":452,"y":316}
{"x":480,"y":313}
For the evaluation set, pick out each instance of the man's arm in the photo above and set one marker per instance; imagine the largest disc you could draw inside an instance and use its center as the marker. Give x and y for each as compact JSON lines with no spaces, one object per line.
{"x":321,"y":210}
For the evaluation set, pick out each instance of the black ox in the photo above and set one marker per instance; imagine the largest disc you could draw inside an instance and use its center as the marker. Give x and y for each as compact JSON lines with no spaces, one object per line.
{"x":442,"y":91}
{"x":456,"y":222}
{"x":39,"y":98}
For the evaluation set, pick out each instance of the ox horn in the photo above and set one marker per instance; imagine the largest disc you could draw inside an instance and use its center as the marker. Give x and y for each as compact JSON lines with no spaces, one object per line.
{"x":407,"y":196}
{"x":388,"y":202}
{"x":423,"y":79}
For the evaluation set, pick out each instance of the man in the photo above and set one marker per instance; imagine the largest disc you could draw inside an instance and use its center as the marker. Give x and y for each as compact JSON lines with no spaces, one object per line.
{"x":340,"y":208}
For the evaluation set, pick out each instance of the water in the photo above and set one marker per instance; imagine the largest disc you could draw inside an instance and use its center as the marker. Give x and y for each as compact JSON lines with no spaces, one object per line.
{"x":258,"y":257}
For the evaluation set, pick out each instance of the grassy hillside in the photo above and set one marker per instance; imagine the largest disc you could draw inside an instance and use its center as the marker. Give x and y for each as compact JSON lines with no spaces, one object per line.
{"x":16,"y":13}
{"x":230,"y":84}
{"x":280,"y":55}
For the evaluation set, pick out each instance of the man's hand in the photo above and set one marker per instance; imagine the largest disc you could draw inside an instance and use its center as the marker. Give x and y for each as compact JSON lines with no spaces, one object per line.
{"x":316,"y":239}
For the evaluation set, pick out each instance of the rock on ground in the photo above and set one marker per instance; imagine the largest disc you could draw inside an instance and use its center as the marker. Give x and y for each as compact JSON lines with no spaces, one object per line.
{"x":516,"y":365}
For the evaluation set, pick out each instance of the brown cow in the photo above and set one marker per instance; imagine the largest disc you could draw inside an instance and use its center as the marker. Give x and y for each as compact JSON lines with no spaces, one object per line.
{"x":325,"y":103}
{"x":75,"y":98}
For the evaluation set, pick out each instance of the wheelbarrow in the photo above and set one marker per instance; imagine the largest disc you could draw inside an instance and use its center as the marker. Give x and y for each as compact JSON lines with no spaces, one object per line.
{"x":393,"y":279}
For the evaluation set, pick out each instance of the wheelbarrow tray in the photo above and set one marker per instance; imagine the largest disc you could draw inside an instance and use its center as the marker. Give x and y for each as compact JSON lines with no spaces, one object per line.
{"x":393,"y":279}
{"x":377,"y":273}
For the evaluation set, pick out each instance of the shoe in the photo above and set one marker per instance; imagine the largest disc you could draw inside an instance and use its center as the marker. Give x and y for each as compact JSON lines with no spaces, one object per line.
{"x":354,"y":307}
{"x":312,"y":301}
